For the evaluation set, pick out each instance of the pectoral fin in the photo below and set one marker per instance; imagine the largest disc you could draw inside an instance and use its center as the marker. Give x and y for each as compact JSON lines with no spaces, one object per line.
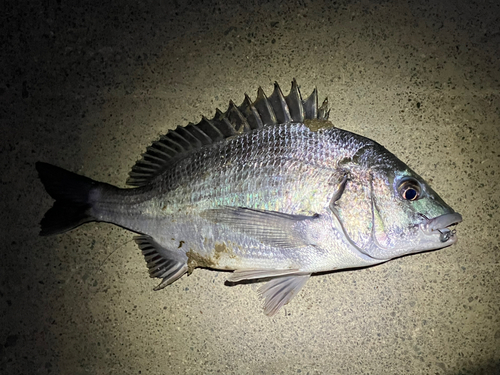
{"x":269,"y":227}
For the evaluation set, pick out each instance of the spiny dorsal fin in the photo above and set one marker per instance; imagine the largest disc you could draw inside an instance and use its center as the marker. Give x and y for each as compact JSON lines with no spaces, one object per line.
{"x":295,"y":103}
{"x":264,"y":111}
{"x":280,"y":105}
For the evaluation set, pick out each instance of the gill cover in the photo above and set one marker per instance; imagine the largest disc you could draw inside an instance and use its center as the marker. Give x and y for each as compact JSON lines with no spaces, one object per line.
{"x":354,"y":205}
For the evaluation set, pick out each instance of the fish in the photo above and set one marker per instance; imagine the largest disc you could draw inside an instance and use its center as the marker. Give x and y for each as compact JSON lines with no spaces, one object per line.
{"x":270,"y":190}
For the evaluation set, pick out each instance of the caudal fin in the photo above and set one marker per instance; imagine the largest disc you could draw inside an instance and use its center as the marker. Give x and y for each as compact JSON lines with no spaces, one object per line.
{"x":71,"y":192}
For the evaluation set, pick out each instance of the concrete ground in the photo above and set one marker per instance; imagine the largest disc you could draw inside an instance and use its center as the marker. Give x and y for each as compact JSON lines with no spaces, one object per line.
{"x":88,"y":87}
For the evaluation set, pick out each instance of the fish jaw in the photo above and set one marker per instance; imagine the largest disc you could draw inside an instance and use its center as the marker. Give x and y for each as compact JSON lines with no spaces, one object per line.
{"x":439,"y":226}
{"x":430,"y":234}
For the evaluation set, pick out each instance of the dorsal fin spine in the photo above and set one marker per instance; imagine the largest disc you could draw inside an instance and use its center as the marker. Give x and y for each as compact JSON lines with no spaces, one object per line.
{"x":188,"y":136}
{"x":209,"y":128}
{"x":323,"y":111}
{"x":311,"y":105}
{"x":251,"y":113}
{"x":264,"y":108}
{"x":294,"y":102}
{"x":237,"y":120}
{"x":199,"y":134}
{"x":278,"y":102}
{"x":178,"y":138}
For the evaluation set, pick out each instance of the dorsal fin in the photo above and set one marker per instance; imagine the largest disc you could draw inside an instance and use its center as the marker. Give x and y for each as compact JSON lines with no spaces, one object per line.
{"x":264,"y":111}
{"x":280,"y":105}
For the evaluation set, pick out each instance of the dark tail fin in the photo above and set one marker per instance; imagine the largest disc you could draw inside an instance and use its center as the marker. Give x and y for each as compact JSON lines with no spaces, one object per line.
{"x":71,"y":192}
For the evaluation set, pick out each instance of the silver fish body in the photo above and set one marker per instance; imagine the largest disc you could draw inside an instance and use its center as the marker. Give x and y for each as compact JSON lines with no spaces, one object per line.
{"x":269,"y":189}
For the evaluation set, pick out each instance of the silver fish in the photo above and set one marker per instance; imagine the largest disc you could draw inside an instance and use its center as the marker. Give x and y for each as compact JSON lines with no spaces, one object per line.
{"x":269,"y":189}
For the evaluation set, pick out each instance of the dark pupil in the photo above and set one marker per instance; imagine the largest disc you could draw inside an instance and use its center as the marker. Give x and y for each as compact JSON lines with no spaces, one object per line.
{"x":410,"y":194}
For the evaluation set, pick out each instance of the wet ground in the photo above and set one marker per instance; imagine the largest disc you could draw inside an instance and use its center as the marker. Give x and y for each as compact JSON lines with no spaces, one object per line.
{"x":88,"y":87}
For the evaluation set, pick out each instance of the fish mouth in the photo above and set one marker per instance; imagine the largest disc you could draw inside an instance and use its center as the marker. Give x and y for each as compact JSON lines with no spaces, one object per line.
{"x":440,"y":224}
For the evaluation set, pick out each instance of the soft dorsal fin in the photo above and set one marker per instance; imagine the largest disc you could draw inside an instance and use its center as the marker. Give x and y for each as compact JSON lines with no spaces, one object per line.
{"x":264,"y":111}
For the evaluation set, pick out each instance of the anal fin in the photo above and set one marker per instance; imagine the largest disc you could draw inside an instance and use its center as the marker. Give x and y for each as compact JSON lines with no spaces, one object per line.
{"x":249,"y":274}
{"x":284,"y":285}
{"x":162,"y":263}
{"x":280,"y":290}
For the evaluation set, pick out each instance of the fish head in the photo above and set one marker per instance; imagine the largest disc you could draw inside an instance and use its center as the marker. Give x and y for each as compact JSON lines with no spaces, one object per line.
{"x":386,"y":210}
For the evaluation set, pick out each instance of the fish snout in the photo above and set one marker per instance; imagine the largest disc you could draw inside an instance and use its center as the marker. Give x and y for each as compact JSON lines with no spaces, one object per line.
{"x":440,"y":224}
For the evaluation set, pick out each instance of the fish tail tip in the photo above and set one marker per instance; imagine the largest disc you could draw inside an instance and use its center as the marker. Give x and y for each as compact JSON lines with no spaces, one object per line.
{"x":71,"y":193}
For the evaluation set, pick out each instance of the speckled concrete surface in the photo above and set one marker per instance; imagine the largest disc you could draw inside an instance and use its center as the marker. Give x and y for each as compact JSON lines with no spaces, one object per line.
{"x":88,"y":87}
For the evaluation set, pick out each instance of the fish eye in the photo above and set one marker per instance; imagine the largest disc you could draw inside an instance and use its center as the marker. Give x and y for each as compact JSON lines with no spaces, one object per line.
{"x":409,"y":190}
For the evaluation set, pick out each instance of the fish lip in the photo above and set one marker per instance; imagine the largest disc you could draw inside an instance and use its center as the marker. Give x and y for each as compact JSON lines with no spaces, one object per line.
{"x":440,"y":224}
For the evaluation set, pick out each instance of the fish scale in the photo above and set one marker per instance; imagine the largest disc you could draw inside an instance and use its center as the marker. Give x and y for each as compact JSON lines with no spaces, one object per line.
{"x":200,"y":177}
{"x":269,"y":189}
